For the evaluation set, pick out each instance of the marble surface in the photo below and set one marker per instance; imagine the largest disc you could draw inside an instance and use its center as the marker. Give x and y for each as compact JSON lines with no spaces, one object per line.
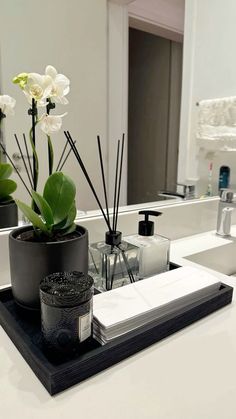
{"x":189,"y":375}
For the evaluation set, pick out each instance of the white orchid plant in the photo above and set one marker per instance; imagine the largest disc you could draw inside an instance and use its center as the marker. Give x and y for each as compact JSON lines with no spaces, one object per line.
{"x":44,"y":91}
{"x":53,"y":212}
{"x":7,"y":186}
{"x":7,"y":105}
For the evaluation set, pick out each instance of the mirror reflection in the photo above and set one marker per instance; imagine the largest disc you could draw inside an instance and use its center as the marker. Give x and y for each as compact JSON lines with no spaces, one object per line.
{"x":153,"y":101}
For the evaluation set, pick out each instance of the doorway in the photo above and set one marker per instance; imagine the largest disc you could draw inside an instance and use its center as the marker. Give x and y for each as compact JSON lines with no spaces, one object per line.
{"x":155,"y":79}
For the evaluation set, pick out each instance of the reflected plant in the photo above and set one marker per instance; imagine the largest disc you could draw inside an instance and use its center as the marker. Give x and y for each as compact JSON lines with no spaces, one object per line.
{"x":7,"y":186}
{"x":7,"y":105}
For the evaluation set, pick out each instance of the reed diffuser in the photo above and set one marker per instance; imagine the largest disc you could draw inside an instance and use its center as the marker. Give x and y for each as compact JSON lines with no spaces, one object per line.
{"x":113,"y":262}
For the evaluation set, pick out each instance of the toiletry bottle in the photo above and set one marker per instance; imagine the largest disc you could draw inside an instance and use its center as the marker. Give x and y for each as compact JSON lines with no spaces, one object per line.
{"x":224,"y":177}
{"x":153,"y":248}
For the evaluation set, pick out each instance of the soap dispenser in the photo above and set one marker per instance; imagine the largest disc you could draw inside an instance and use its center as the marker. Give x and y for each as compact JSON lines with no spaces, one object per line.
{"x":153,"y":248}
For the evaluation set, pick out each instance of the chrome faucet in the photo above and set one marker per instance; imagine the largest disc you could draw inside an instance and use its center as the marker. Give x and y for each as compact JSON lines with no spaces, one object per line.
{"x":187,"y":192}
{"x":225,"y":208}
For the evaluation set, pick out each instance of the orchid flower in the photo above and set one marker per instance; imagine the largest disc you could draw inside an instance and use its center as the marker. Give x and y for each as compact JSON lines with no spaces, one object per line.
{"x":35,"y":86}
{"x":38,"y":88}
{"x":50,"y":124}
{"x":60,"y":85}
{"x":7,"y":104}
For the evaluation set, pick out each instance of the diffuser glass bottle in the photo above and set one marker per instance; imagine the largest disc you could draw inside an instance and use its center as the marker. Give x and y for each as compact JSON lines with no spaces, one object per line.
{"x":113,"y":262}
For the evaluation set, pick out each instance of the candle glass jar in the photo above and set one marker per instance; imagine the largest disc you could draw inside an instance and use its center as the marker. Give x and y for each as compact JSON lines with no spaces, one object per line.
{"x":66,"y":311}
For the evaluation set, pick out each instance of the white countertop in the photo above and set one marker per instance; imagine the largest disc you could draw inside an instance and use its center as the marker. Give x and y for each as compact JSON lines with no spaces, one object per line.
{"x":189,"y":375}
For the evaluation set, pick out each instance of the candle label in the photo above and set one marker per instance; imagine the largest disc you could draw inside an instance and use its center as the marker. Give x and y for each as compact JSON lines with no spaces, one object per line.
{"x":85,"y":326}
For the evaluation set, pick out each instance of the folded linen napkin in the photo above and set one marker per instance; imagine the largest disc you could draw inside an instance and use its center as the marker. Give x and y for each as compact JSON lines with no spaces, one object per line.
{"x":124,"y":309}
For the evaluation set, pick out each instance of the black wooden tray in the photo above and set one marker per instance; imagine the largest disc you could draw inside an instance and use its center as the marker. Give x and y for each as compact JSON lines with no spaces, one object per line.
{"x":56,"y":376}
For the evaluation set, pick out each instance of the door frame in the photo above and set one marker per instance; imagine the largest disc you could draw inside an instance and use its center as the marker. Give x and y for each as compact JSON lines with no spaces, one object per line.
{"x":120,"y":16}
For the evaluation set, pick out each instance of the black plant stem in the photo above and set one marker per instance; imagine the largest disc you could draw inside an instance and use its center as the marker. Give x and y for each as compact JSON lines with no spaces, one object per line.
{"x":120,"y":174}
{"x":65,"y":159}
{"x":50,"y":106}
{"x":77,"y":155}
{"x":34,"y":116}
{"x":28,"y":157}
{"x":23,"y":159}
{"x":62,"y":155}
{"x":115,"y":191}
{"x":103,"y":177}
{"x":15,"y":168}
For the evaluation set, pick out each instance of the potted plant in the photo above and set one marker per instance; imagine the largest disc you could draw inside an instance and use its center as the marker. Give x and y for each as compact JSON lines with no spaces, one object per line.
{"x":8,"y":208}
{"x":53,"y":243}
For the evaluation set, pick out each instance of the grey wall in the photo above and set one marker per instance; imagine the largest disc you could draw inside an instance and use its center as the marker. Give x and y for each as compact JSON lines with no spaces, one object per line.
{"x":155,"y":68}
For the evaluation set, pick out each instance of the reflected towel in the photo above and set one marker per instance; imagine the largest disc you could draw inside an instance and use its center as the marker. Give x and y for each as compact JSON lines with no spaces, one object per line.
{"x":216,"y":129}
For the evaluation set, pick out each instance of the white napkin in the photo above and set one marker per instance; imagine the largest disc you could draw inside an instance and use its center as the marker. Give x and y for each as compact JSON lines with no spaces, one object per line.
{"x":123,"y":309}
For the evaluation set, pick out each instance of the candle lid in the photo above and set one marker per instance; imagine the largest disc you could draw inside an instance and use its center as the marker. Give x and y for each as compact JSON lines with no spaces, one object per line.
{"x":66,"y":289}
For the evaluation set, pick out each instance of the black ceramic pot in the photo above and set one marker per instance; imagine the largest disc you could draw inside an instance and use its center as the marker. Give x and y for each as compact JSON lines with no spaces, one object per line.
{"x":8,"y":215}
{"x":30,"y":262}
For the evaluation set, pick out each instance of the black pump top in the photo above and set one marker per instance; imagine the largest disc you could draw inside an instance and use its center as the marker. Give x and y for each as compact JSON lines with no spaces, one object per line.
{"x":146,"y":227}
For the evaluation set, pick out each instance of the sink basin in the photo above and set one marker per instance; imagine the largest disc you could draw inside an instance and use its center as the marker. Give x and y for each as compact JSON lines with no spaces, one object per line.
{"x":221,"y":259}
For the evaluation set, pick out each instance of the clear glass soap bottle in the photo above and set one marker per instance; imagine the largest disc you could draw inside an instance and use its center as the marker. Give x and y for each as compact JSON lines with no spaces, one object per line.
{"x":113,"y":262}
{"x":153,"y":248}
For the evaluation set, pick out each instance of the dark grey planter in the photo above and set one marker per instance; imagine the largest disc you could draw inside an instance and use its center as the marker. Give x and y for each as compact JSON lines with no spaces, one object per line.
{"x":8,"y":215}
{"x":30,"y":262}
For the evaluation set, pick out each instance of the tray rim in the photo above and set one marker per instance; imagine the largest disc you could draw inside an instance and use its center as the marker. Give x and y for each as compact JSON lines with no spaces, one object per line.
{"x":50,"y":374}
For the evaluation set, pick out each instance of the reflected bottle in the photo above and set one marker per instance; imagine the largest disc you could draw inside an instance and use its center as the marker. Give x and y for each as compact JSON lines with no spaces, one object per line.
{"x":224,"y":177}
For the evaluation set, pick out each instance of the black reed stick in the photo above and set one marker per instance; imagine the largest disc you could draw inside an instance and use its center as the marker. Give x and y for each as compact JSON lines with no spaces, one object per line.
{"x":120,"y":174}
{"x":65,"y":160}
{"x":77,"y":155}
{"x":15,"y":168}
{"x":103,"y":177}
{"x":28,"y":157}
{"x":116,"y":177}
{"x":130,"y":273}
{"x":62,"y":155}
{"x":23,"y":159}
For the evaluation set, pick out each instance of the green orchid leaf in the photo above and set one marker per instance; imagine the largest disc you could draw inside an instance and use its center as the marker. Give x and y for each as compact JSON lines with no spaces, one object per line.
{"x":69,"y":230}
{"x":44,"y":208}
{"x":71,"y":215}
{"x":32,"y":217}
{"x":59,"y":192}
{"x":5,"y":170}
{"x":68,"y":221}
{"x":7,"y":186}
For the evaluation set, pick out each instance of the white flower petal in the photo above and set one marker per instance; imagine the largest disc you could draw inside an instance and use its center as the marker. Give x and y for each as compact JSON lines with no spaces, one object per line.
{"x":7,"y":104}
{"x":50,"y":124}
{"x":38,"y":87}
{"x":60,"y":85}
{"x":61,"y":100}
{"x":51,"y":71}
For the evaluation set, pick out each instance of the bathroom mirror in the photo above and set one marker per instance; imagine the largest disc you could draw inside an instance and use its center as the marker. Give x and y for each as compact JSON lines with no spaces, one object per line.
{"x":78,"y":44}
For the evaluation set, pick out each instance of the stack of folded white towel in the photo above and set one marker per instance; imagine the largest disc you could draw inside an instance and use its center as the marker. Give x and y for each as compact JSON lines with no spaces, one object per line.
{"x":124,"y":309}
{"x":216,"y":128}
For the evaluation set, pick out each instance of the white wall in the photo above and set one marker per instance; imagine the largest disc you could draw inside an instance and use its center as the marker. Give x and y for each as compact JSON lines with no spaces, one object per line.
{"x":208,"y":72}
{"x":161,"y":17}
{"x":72,"y":36}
